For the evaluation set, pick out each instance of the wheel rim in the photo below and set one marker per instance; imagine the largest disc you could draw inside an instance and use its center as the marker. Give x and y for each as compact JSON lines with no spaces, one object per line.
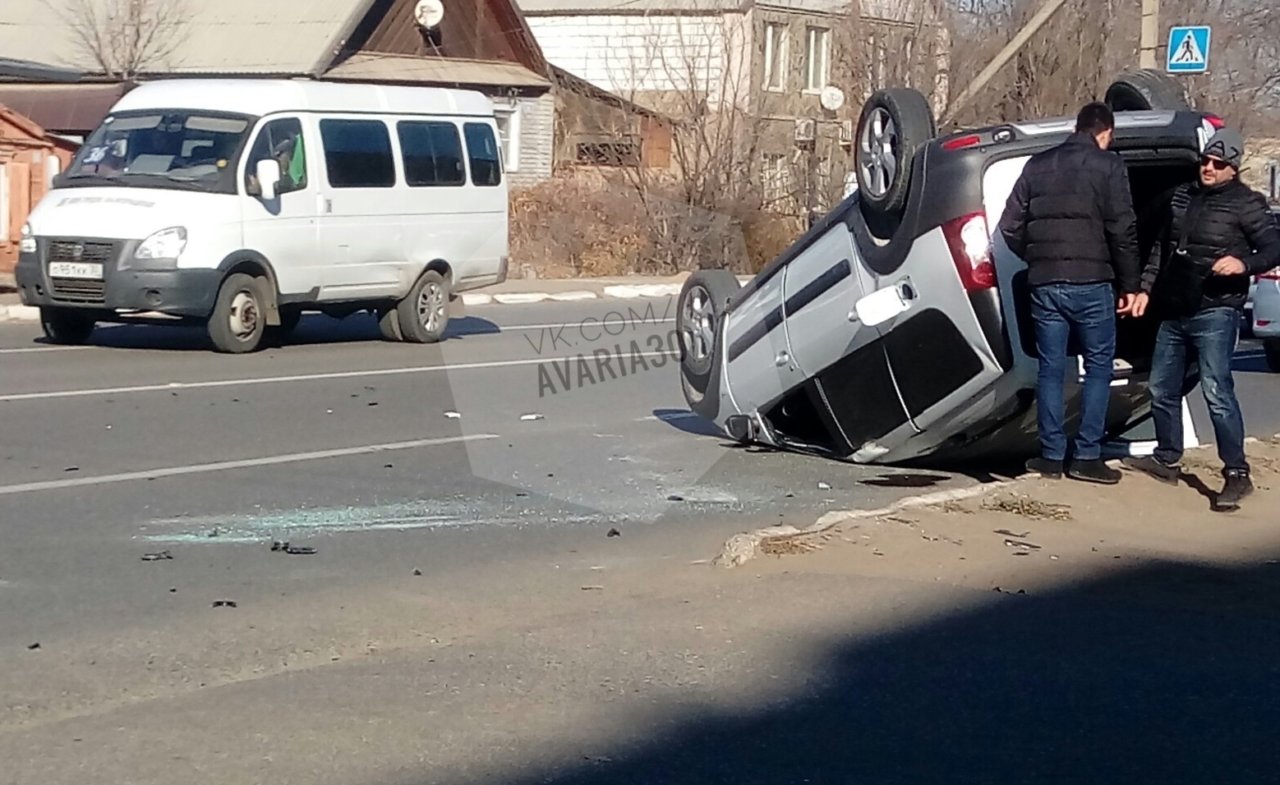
{"x":879,"y":148}
{"x":699,"y":324}
{"x":431,"y":305}
{"x":245,"y":315}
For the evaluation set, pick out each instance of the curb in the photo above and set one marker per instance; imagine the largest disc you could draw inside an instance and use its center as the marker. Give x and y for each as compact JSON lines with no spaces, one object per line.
{"x":23,"y":313}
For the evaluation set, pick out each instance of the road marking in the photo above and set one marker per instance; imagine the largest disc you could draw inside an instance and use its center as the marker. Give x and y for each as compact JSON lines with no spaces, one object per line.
{"x":310,"y":377}
{"x":204,"y":468}
{"x":31,"y":349}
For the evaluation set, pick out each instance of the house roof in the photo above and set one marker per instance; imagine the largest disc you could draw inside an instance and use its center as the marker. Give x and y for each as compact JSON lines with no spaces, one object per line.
{"x":404,"y":69}
{"x":606,"y":7}
{"x":63,"y":108}
{"x":226,"y":37}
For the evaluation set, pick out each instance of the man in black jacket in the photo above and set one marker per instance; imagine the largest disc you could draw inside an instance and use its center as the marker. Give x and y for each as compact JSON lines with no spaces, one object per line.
{"x":1217,"y":234}
{"x":1071,"y":219}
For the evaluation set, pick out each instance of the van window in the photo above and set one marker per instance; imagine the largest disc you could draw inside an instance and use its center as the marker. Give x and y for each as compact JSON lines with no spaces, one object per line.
{"x":357,"y":153}
{"x":432,"y":153}
{"x":281,"y":140}
{"x":482,"y":151}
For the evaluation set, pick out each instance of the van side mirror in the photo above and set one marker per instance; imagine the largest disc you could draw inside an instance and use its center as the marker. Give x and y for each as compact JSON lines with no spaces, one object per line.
{"x":268,"y":175}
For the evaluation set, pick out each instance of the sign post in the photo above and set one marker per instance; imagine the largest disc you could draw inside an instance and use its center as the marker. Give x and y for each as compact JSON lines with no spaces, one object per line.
{"x":1188,"y":51}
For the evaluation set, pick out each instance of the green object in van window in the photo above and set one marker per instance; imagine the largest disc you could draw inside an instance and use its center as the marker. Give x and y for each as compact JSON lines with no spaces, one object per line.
{"x":298,"y":164}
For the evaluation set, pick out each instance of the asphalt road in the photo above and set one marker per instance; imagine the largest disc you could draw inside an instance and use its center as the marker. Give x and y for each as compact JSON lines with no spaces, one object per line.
{"x":495,"y":442}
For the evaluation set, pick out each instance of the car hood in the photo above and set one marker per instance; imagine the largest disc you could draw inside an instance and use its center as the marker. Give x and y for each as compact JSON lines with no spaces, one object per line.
{"x":125,"y":213}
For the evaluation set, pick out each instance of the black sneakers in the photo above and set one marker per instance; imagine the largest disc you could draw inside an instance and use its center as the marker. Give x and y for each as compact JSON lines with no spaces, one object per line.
{"x":1045,"y":468}
{"x":1237,"y":487}
{"x":1093,"y":471}
{"x":1150,"y":466}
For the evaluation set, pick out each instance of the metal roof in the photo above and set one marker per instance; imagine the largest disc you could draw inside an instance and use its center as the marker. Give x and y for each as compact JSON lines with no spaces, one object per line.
{"x":228,"y":36}
{"x":26,"y":69}
{"x":405,"y":69}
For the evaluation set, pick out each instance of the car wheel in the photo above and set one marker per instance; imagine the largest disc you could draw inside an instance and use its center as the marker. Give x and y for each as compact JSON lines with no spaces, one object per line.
{"x":701,"y":306}
{"x":66,"y":326}
{"x":239,"y":319}
{"x":424,"y":312}
{"x":1271,"y":348}
{"x":1140,"y":91}
{"x":894,"y":125}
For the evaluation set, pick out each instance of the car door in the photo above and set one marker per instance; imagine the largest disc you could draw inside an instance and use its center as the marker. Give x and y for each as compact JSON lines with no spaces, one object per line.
{"x":284,"y":229}
{"x":361,"y":234}
{"x":758,"y":362}
{"x":844,"y":358}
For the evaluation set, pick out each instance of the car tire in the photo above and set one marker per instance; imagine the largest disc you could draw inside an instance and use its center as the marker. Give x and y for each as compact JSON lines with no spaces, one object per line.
{"x":701,"y":306}
{"x":1271,"y":348}
{"x":894,"y":125}
{"x":1146,"y":90}
{"x":424,"y":312}
{"x":65,"y":326}
{"x":239,"y":319}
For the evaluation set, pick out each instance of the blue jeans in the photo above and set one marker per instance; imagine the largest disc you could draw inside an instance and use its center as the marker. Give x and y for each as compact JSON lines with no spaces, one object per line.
{"x":1209,"y":337}
{"x":1087,"y":312}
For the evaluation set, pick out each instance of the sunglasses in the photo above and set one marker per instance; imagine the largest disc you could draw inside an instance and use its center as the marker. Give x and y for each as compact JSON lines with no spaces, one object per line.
{"x":1217,"y":164}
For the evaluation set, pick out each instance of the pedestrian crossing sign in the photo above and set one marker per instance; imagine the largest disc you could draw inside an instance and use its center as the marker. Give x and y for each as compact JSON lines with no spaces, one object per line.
{"x":1188,"y":50}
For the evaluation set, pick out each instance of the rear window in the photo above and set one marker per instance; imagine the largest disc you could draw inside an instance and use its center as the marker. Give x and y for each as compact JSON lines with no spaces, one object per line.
{"x":482,"y":151}
{"x":357,"y":153}
{"x":432,"y":153}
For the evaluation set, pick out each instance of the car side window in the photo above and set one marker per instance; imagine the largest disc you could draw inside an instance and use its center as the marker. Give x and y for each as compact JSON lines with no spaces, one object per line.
{"x":283,"y":141}
{"x":482,"y":152}
{"x":432,"y":153}
{"x":357,"y":153}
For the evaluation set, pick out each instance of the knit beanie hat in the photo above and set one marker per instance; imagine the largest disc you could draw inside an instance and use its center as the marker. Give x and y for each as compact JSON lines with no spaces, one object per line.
{"x":1227,"y":145}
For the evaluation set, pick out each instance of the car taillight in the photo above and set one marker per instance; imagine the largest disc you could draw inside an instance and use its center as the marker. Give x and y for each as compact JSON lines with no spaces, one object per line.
{"x":961,"y":142}
{"x":970,"y":245}
{"x":1217,"y":122}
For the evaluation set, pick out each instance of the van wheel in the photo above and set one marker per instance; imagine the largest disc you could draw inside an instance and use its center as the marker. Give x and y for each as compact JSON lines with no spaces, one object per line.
{"x":1146,"y":90}
{"x":239,"y":317}
{"x":1271,"y":348}
{"x":894,"y":125}
{"x":66,"y":326}
{"x":424,"y":312}
{"x":700,"y":309}
{"x":389,"y":324}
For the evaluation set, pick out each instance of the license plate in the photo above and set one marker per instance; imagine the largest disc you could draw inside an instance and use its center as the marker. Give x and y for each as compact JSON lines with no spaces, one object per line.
{"x":75,"y":270}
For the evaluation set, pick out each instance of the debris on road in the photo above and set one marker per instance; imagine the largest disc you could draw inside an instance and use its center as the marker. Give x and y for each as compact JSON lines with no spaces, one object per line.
{"x":453,"y":415}
{"x":72,"y":469}
{"x":225,"y":604}
{"x":292,"y":549}
{"x":417,"y":572}
{"x":822,"y":486}
{"x":1008,"y":533}
{"x":33,"y":646}
{"x":159,"y":556}
{"x":1028,"y":507}
{"x":1021,"y":544}
{"x":614,"y":533}
{"x":593,"y":588}
{"x":527,"y":417}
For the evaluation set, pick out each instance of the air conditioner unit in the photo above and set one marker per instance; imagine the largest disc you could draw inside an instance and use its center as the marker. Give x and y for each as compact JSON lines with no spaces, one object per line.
{"x":806,"y":129}
{"x":846,"y":132}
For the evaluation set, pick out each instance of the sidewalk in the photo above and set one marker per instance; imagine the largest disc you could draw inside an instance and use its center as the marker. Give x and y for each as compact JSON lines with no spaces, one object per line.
{"x":518,"y":291}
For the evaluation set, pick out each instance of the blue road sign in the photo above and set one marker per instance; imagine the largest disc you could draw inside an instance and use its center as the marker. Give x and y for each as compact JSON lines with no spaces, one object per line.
{"x":1188,"y":50}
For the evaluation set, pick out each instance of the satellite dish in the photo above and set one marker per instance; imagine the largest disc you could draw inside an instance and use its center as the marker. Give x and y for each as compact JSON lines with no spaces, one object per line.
{"x":428,"y":13}
{"x":832,"y":98}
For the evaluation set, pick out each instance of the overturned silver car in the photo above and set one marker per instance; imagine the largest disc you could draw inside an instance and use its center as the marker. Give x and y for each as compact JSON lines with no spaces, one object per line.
{"x":897,"y":328}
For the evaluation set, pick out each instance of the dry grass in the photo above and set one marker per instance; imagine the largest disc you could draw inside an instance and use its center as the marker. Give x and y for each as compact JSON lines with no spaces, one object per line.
{"x":1026,"y":507}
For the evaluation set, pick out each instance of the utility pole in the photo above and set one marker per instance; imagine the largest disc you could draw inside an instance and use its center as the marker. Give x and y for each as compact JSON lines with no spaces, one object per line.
{"x":1150,"y":33}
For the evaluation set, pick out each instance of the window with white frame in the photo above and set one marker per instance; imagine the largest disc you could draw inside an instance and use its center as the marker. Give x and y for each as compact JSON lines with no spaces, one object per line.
{"x":775,"y":56}
{"x":818,"y":58}
{"x":508,"y":120}
{"x":774,"y":178}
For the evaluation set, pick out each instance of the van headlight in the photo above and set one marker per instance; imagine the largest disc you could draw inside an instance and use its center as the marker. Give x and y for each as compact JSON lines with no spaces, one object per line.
{"x":28,"y":242}
{"x":161,"y":250}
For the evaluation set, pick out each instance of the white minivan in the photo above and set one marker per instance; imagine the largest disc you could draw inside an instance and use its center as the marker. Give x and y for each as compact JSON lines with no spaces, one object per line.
{"x":241,"y":203}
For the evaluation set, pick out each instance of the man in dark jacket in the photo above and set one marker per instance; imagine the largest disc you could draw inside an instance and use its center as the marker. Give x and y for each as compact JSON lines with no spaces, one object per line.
{"x":1070,"y":218}
{"x":1218,"y":234}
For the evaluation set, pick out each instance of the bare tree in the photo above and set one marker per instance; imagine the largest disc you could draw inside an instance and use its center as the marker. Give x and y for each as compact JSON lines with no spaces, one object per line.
{"x":125,"y":38}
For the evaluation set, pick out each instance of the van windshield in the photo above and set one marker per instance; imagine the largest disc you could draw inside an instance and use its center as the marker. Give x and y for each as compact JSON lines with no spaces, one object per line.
{"x":161,"y":149}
